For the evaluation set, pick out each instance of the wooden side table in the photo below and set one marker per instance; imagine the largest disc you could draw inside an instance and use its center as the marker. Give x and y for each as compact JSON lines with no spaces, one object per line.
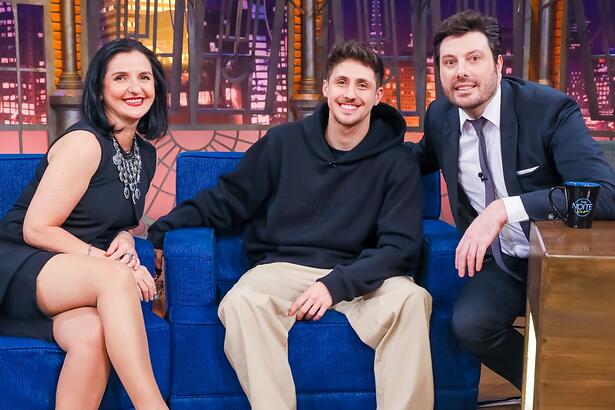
{"x":570,"y":333}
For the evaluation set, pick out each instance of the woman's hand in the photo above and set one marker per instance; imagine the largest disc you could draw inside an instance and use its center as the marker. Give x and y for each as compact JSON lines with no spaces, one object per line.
{"x":145,"y":283}
{"x":122,"y":248}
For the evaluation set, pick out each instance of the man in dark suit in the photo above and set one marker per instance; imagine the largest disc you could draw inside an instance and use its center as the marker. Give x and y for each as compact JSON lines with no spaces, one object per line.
{"x":501,"y":144}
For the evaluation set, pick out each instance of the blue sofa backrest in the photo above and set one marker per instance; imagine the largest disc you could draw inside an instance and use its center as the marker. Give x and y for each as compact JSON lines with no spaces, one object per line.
{"x":16,"y":171}
{"x":200,"y":170}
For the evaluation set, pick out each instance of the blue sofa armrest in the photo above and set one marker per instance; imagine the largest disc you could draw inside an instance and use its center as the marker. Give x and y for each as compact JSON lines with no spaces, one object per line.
{"x":145,"y":250}
{"x":190,"y":267}
{"x":438,"y":274}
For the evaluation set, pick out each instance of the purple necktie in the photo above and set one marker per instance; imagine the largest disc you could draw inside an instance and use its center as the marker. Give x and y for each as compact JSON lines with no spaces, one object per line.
{"x":485,"y":176}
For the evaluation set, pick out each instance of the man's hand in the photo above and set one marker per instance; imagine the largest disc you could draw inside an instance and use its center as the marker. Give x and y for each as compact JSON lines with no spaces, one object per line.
{"x":313,"y":303}
{"x":478,"y":237}
{"x":159,"y":259}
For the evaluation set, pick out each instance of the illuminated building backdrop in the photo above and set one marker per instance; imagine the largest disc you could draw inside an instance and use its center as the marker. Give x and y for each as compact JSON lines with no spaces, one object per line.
{"x":230,"y":65}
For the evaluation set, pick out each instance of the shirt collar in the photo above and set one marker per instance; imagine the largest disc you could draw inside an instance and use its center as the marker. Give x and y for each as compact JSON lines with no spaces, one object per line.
{"x":491,"y":113}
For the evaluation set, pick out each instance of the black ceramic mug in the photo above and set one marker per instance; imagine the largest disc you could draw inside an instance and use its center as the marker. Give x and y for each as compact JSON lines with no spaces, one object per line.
{"x":581,"y":199}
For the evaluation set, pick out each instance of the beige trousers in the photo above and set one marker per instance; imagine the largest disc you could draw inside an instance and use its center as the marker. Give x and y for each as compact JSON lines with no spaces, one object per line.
{"x":393,"y":320}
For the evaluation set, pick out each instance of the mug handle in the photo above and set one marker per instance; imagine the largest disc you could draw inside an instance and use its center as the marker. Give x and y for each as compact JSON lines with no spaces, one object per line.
{"x":559,"y":214}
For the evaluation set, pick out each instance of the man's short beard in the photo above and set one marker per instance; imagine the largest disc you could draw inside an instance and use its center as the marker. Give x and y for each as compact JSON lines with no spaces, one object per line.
{"x":476,"y":104}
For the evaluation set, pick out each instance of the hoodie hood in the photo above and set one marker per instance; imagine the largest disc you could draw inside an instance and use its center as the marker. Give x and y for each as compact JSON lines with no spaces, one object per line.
{"x":386,"y":129}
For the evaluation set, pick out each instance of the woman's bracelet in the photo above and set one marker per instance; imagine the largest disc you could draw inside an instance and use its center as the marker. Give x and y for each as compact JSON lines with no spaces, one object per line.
{"x":89,"y":249}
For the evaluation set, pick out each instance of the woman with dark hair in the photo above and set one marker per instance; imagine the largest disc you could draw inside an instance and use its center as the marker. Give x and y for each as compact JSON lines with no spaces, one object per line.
{"x":70,"y":272}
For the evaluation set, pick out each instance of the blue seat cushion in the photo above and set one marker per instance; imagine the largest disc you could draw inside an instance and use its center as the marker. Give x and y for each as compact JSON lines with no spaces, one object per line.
{"x":343,"y":362}
{"x":305,"y":401}
{"x":31,"y":367}
{"x":446,"y":399}
{"x":325,"y":356}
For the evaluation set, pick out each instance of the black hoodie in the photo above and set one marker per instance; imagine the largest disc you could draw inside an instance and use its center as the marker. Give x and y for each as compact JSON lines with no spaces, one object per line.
{"x":359,"y":215}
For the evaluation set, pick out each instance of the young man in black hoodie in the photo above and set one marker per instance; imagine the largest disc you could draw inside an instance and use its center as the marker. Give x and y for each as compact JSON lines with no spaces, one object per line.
{"x":332,"y":207}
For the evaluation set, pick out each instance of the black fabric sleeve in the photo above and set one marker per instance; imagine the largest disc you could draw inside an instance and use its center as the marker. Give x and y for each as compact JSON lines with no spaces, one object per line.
{"x":424,"y":151}
{"x":234,"y":201}
{"x":399,"y":237}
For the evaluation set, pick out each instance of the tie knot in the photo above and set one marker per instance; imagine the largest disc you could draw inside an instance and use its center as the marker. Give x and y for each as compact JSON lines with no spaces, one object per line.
{"x":478,"y":124}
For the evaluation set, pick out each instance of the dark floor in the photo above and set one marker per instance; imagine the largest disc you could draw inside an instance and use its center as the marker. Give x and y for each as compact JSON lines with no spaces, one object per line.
{"x":493,"y":389}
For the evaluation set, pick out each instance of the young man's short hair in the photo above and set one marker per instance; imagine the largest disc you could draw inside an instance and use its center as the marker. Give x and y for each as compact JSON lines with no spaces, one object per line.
{"x":353,"y":50}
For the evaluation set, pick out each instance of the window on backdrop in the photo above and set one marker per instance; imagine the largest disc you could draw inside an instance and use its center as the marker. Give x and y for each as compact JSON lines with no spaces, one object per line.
{"x":591,"y":63}
{"x":23,"y":78}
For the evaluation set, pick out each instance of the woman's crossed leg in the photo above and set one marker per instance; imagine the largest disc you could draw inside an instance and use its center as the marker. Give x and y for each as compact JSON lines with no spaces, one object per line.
{"x":102,"y":296}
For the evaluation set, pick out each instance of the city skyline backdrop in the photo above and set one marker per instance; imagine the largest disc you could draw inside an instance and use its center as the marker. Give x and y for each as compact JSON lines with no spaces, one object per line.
{"x":233,"y":101}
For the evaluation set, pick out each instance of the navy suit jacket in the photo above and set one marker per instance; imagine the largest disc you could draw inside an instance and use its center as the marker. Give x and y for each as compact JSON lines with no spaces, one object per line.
{"x":539,"y":126}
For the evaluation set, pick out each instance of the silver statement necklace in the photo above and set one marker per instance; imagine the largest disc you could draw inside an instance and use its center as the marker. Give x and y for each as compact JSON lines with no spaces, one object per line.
{"x":128,"y":168}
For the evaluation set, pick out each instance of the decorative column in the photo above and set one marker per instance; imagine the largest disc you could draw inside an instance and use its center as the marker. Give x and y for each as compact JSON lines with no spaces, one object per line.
{"x":544,"y":67}
{"x":66,"y":99}
{"x":308,"y":95}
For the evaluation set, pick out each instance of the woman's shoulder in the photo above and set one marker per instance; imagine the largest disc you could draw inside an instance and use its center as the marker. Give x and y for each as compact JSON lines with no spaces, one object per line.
{"x":82,"y":125}
{"x":77,"y":149}
{"x":78,"y":142}
{"x":81,"y":134}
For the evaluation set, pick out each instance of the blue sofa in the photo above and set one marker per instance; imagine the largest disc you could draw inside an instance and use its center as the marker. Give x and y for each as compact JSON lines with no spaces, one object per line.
{"x":331,"y":367}
{"x":29,"y":368}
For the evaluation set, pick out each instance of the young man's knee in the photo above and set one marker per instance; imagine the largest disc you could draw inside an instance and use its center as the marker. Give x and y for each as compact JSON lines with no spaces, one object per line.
{"x":237,"y":301}
{"x":422,"y":295}
{"x":409,"y":292}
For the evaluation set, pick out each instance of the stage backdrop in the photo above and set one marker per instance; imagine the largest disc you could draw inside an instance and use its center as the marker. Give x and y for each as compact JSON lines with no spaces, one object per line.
{"x":234,"y":66}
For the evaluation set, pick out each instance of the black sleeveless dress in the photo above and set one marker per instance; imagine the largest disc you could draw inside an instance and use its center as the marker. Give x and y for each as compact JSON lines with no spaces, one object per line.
{"x":101,"y":213}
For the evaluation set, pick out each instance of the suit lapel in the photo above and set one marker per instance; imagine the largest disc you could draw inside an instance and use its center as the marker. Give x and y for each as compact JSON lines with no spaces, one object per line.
{"x":450,"y":160}
{"x":509,"y":129}
{"x":509,"y":134}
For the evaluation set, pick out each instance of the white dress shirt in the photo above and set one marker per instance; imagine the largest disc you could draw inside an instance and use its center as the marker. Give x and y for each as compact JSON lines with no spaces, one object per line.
{"x":512,"y":238}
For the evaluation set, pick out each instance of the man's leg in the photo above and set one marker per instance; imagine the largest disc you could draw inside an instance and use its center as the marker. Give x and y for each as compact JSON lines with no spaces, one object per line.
{"x":255,"y":315}
{"x":483,"y":317}
{"x":394,"y":321}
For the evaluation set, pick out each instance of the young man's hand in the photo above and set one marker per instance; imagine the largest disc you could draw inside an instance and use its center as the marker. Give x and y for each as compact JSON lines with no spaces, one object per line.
{"x":312,"y":304}
{"x":478,"y":237}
